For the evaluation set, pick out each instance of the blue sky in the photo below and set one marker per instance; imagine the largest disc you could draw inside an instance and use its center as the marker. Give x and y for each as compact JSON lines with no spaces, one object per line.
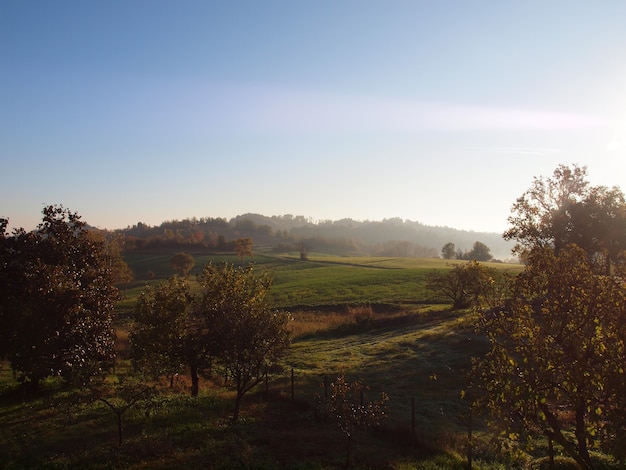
{"x":436,"y":111}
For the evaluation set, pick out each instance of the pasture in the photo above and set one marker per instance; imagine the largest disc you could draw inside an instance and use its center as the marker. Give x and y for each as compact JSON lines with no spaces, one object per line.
{"x":373,"y":319}
{"x":323,"y":281}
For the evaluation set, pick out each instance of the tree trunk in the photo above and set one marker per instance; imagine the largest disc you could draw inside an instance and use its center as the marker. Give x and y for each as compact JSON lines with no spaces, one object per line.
{"x":195,"y":382}
{"x":237,"y":407}
{"x":551,"y":453}
{"x":120,"y":427}
{"x":568,"y":446}
{"x":581,"y":436}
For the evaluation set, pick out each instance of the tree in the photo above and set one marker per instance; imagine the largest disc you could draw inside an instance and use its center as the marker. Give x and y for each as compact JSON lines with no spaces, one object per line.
{"x":347,"y":407}
{"x":182,"y":263}
{"x":479,"y":252}
{"x":247,"y":337}
{"x":565,"y":209}
{"x":556,"y":361}
{"x":121,"y":396}
{"x":464,"y":284}
{"x":448,"y":251}
{"x":540,"y":215}
{"x":243,"y":247}
{"x":56,"y":299}
{"x":159,"y":331}
{"x":169,"y":333}
{"x":114,"y":246}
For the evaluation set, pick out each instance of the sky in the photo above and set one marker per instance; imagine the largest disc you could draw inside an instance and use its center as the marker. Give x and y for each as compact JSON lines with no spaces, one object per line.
{"x":440,"y":112}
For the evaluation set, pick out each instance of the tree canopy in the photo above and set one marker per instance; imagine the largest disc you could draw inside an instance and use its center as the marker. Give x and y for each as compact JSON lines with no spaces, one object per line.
{"x":159,"y":332}
{"x":566,"y":209}
{"x":56,"y":299}
{"x":557,"y":354}
{"x":227,"y":323}
{"x":243,"y":247}
{"x":182,"y":263}
{"x":247,"y":335}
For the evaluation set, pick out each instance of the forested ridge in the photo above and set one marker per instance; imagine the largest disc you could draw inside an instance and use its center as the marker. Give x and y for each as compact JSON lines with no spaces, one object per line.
{"x":389,"y":237}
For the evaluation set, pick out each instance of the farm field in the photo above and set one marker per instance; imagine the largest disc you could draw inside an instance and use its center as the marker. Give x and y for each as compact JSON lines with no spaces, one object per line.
{"x":373,"y":319}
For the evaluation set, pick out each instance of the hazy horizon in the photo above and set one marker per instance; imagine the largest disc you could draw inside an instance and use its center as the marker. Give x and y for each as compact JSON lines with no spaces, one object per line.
{"x":435,"y":112}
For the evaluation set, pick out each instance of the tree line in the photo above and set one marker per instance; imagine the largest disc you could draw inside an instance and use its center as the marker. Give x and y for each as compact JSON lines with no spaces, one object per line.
{"x":479,"y":252}
{"x":389,"y":237}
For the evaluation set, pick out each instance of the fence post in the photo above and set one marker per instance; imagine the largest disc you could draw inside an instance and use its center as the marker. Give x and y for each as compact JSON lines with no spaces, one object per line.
{"x":292,"y":386}
{"x":413,"y":419}
{"x":470,"y":445}
{"x":325,"y":387}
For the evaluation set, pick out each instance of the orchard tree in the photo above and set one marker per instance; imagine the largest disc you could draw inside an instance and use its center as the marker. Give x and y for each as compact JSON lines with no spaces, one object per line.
{"x":56,"y":300}
{"x":120,"y":396}
{"x":247,"y":337}
{"x":158,"y":333}
{"x":556,"y":362}
{"x":182,"y":263}
{"x":346,"y":406}
{"x":169,"y":334}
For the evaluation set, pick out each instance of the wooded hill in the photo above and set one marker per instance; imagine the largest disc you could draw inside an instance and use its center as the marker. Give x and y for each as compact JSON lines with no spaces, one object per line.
{"x":389,"y":237}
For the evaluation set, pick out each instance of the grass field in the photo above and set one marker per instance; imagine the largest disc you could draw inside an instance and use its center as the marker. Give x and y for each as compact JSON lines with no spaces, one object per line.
{"x":370,"y":318}
{"x":323,"y":281}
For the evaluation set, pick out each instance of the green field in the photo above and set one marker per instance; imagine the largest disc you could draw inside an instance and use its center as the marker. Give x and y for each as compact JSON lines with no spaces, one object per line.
{"x":323,"y":280}
{"x":410,"y":345}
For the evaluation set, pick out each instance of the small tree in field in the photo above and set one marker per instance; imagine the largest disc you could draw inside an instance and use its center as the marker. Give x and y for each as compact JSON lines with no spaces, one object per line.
{"x":465,"y":284}
{"x":243,"y":247}
{"x":120,"y":396}
{"x":479,"y":252}
{"x":448,"y":251}
{"x":346,"y":406}
{"x":244,"y":334}
{"x":182,"y":263}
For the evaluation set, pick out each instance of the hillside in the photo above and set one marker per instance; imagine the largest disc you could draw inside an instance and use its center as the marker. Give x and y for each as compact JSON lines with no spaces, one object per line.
{"x":389,"y":237}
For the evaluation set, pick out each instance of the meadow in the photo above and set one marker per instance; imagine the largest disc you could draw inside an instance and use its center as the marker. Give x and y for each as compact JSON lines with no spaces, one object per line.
{"x":372,"y":319}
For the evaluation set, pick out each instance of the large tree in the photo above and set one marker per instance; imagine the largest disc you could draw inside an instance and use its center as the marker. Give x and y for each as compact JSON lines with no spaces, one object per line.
{"x":556,"y":364}
{"x":56,"y":299}
{"x":565,"y":209}
{"x":247,"y":336}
